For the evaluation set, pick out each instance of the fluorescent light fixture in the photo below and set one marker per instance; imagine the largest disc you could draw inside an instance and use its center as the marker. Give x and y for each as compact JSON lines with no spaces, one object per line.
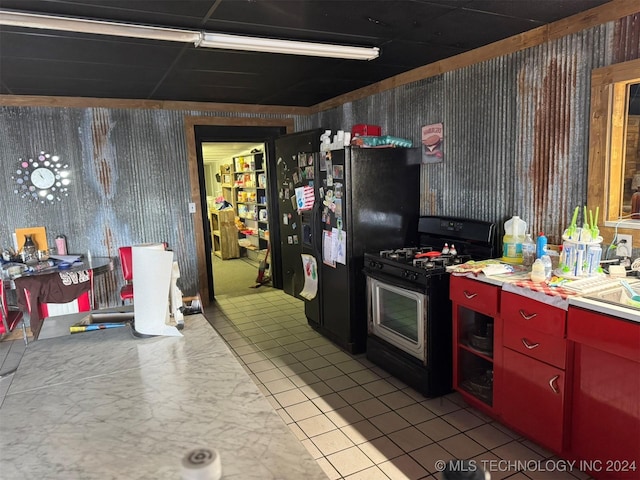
{"x":290,"y":47}
{"x":96,"y":27}
{"x":200,"y":39}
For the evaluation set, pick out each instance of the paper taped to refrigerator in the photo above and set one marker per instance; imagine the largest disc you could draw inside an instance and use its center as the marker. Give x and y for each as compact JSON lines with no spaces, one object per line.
{"x":310,"y":269}
{"x":339,"y":245}
{"x":327,"y":249}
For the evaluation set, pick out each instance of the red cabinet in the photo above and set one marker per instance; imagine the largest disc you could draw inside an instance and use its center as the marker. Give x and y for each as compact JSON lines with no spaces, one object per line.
{"x":479,"y":296}
{"x":568,"y":381}
{"x":605,"y":418}
{"x":475,"y":334}
{"x":533,"y":399}
{"x":532,"y":394}
{"x":538,"y":315}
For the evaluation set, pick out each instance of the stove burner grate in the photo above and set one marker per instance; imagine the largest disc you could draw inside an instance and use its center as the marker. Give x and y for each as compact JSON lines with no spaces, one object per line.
{"x":406,"y":253}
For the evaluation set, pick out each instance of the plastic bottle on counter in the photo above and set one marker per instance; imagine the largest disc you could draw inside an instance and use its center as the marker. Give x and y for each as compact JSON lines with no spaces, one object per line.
{"x":594,"y":254}
{"x":452,"y":251}
{"x":514,"y":230}
{"x":541,"y":245}
{"x":528,"y":251}
{"x":546,"y":261}
{"x":537,"y":271}
{"x":445,"y":249}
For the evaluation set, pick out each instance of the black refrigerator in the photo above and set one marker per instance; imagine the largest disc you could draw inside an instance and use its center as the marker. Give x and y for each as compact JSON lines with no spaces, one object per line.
{"x":366,"y":200}
{"x":293,"y":153}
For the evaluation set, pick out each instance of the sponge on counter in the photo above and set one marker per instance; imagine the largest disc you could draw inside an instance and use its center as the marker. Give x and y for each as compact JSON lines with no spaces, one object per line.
{"x":617,"y":271}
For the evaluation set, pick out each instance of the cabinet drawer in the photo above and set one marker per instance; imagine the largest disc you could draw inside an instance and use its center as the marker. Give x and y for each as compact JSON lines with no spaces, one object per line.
{"x":535,"y":344}
{"x":537,"y":315}
{"x":476,"y":295}
{"x":609,"y":334}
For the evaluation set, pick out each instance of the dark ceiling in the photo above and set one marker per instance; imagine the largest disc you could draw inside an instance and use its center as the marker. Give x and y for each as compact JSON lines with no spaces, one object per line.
{"x":410,"y":33}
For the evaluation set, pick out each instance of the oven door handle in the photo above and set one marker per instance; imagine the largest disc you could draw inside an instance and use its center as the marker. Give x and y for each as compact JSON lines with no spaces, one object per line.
{"x":397,"y":282}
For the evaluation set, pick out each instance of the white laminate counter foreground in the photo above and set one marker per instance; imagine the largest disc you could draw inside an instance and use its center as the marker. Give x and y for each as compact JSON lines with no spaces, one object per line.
{"x":108,"y":405}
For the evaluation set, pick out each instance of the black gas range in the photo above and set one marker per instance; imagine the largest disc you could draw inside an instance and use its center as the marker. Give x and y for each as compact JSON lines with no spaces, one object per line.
{"x":408,"y":306}
{"x":415,"y":264}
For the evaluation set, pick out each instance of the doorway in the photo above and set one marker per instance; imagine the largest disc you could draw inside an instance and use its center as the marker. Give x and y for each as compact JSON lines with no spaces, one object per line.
{"x":235,"y":176}
{"x":229,"y":130}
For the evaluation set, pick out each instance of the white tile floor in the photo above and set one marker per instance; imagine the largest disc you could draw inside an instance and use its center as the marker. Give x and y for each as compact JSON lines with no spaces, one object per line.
{"x":355,"y":419}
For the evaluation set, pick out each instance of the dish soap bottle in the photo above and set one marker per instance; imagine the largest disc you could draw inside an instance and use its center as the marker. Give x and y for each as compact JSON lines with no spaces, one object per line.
{"x":528,"y":251}
{"x":541,"y":245}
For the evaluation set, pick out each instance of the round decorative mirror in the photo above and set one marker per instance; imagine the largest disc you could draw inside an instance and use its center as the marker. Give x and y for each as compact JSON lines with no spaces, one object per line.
{"x":43,"y":179}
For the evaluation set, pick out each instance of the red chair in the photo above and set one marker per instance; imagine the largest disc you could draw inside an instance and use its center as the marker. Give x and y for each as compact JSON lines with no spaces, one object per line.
{"x":11,"y":317}
{"x":82,"y":303}
{"x":126,"y":264}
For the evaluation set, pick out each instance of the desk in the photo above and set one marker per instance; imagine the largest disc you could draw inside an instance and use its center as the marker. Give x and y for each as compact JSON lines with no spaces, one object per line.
{"x":98,"y":265}
{"x":57,"y":286}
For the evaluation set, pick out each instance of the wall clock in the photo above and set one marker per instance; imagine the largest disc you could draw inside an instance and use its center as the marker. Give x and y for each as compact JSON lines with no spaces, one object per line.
{"x":43,"y":179}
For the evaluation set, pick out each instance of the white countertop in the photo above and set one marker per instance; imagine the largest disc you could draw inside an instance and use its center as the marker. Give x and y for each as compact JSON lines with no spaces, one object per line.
{"x":626,"y":313}
{"x":506,"y":282}
{"x":108,"y":405}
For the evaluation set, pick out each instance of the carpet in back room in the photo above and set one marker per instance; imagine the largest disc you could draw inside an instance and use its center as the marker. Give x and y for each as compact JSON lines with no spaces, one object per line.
{"x":235,"y":277}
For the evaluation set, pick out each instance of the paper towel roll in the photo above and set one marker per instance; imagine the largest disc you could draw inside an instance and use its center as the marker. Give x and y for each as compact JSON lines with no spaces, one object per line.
{"x":201,"y":464}
{"x":152,"y":267}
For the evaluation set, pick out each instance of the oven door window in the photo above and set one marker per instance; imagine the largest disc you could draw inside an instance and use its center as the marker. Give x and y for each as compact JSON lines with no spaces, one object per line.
{"x":398,"y":316}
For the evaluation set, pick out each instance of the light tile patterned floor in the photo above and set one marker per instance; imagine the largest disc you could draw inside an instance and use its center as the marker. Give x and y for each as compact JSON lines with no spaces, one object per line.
{"x":355,"y":419}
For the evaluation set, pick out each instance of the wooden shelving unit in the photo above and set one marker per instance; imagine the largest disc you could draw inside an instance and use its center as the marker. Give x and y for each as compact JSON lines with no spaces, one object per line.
{"x":250,"y":199}
{"x":224,"y":234}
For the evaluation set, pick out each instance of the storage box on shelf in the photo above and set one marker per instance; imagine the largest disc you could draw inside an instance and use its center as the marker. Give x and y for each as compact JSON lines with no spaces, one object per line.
{"x":224,"y":234}
{"x":476,"y":330}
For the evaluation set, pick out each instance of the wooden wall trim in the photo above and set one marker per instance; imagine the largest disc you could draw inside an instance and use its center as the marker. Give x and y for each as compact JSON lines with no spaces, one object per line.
{"x":619,"y":72}
{"x":242,"y":122}
{"x":611,"y":11}
{"x":82,"y":102}
{"x":198,"y":232}
{"x":605,"y":142}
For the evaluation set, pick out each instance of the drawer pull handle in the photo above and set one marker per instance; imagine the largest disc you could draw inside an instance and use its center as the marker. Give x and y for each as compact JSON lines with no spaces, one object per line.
{"x":526,"y":316}
{"x":530,"y":346}
{"x":469,"y":295}
{"x":552,"y":383}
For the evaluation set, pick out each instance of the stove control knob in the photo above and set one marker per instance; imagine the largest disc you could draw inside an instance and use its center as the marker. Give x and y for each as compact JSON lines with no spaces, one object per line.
{"x":408,"y":274}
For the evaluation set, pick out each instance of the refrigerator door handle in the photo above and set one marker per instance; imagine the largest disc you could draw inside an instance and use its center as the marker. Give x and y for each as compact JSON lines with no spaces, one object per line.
{"x":316,"y":231}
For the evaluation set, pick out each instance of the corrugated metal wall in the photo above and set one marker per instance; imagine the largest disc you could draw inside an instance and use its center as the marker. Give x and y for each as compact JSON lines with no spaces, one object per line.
{"x":130,"y":183}
{"x":516,"y":128}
